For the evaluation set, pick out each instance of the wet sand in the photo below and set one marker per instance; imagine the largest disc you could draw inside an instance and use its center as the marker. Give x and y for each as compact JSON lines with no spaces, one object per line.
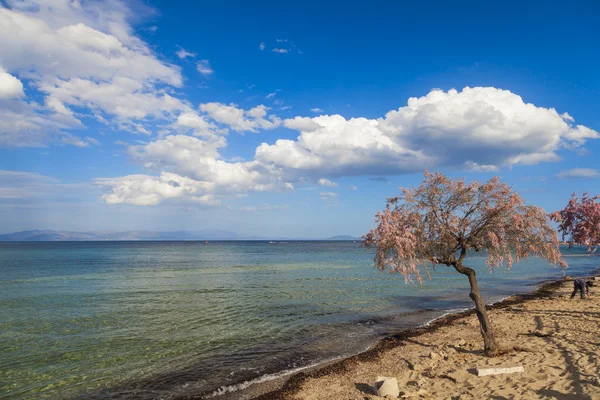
{"x":439,"y":361}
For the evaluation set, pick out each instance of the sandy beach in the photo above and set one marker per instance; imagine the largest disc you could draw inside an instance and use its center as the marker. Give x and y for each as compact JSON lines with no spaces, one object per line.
{"x":439,"y":361}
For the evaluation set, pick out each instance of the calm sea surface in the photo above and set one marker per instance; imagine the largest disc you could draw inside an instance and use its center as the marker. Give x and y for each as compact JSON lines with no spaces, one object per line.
{"x":150,"y":320}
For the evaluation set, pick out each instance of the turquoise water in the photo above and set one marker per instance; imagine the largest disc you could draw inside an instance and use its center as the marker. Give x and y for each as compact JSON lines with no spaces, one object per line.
{"x":163,"y":319}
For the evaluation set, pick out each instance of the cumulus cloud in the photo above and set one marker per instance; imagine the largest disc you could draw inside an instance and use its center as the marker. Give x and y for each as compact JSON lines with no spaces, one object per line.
{"x":191,"y":169}
{"x":303,"y":124}
{"x":10,"y":86}
{"x":84,"y":57}
{"x":124,"y":98}
{"x":199,"y":124}
{"x":477,"y":128}
{"x":241,"y":120}
{"x":145,"y":190}
{"x":579,"y":173}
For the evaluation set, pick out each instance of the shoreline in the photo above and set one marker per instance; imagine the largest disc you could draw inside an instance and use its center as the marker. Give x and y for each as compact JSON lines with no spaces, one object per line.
{"x":284,"y":385}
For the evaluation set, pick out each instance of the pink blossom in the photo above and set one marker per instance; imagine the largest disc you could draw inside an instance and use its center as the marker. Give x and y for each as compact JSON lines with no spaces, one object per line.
{"x":444,"y":218}
{"x":580,"y":221}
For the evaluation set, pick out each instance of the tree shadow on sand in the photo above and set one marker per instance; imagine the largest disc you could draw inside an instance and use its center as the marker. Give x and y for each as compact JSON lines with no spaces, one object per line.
{"x":576,"y":377}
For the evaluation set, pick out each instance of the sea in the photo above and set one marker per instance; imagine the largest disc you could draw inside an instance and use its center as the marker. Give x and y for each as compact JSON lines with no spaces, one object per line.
{"x":162,"y":320}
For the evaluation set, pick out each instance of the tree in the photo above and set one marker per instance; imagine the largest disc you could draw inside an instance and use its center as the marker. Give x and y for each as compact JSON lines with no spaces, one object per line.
{"x":580,"y":220}
{"x":443,"y":220}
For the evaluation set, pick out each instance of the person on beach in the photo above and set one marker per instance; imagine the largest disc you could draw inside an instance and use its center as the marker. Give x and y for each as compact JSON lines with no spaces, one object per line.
{"x":582,"y":286}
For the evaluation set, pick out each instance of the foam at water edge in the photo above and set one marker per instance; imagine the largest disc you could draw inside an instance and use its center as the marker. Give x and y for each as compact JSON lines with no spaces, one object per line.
{"x":269,"y":377}
{"x":453,"y":311}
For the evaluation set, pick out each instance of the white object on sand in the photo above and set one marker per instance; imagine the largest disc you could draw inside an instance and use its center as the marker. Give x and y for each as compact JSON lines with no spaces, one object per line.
{"x":387,"y":387}
{"x":500,"y":370}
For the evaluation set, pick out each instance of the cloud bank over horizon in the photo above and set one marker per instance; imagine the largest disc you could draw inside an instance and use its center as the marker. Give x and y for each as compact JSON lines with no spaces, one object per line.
{"x":476,"y":129}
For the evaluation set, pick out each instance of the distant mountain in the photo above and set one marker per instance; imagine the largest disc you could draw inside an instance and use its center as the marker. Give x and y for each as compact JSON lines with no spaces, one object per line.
{"x":56,"y":236}
{"x":49,"y":235}
{"x":343,"y":237}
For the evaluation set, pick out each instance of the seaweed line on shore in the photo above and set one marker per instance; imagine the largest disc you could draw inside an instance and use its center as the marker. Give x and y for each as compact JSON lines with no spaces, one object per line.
{"x":293,"y":384}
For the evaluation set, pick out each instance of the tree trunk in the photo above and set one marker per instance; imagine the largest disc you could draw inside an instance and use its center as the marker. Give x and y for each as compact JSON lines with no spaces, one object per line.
{"x":490,"y":346}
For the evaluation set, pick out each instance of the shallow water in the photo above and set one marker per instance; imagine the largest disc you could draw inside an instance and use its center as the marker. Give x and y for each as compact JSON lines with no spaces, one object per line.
{"x":153,"y":320}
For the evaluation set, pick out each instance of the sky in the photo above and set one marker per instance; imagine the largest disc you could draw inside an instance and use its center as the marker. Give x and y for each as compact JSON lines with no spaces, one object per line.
{"x":294,"y":119}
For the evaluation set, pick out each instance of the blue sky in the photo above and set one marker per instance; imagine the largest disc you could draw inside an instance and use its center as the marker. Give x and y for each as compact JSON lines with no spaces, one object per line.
{"x":286,"y":119}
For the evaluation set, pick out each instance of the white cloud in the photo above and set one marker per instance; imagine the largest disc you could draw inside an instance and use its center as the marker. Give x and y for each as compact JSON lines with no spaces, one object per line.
{"x":191,"y":169}
{"x":352,"y":187}
{"x":22,"y":125}
{"x":197,"y":123}
{"x":280,"y":51}
{"x":183,"y":53}
{"x":567,"y":117}
{"x":262,"y":46}
{"x":145,"y":190}
{"x":316,"y":110}
{"x":71,"y":40}
{"x":241,"y":120}
{"x":203,"y":66}
{"x":82,"y":55}
{"x":478,"y":128}
{"x":326,"y":182}
{"x":271,"y":95}
{"x":124,"y":98}
{"x":10,"y":86}
{"x":303,"y":124}
{"x":579,"y":173}
{"x":474,"y":167}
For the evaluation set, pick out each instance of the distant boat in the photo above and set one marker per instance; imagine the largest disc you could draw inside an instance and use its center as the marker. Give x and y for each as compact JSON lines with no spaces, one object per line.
{"x":271,"y":242}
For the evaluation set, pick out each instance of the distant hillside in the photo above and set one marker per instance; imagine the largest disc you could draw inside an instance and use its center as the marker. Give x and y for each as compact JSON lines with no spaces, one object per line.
{"x":343,"y":237}
{"x":49,"y":235}
{"x":56,"y":236}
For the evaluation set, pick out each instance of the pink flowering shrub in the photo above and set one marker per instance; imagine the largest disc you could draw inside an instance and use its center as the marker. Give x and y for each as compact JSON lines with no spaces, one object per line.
{"x":580,"y":221}
{"x":444,"y":218}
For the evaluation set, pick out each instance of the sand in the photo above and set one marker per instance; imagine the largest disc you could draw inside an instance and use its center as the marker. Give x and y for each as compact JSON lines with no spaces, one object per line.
{"x":440,"y":361}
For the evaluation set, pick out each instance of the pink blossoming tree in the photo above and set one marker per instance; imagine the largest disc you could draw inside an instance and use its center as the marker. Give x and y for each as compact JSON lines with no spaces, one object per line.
{"x":580,"y":221}
{"x":443,"y":220}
